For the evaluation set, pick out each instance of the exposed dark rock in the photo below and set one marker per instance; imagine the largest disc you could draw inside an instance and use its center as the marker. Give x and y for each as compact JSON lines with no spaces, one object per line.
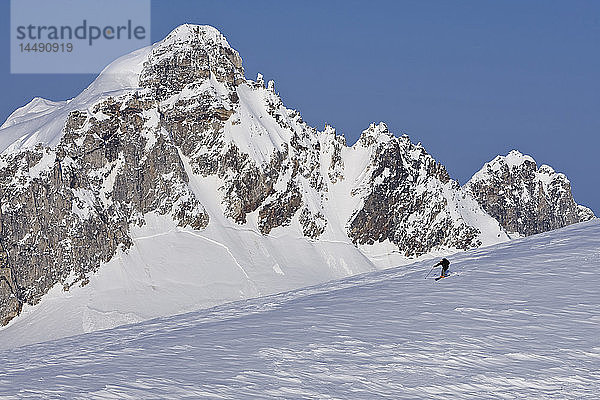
{"x":405,"y":203}
{"x":313,"y":224}
{"x":280,"y":210}
{"x":523,"y":198}
{"x":67,"y":210}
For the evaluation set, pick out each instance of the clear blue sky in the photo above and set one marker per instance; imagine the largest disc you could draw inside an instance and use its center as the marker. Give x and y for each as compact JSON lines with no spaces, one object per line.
{"x":468,"y":79}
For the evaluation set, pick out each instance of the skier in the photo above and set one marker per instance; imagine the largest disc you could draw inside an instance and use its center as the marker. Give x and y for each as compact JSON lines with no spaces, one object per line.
{"x":445,"y":264}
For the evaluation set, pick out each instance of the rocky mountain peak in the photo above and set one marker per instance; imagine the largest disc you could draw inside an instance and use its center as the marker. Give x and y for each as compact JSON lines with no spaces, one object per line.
{"x":189,"y":55}
{"x":375,"y":133}
{"x":525,"y":199}
{"x":189,"y":33}
{"x":515,"y":158}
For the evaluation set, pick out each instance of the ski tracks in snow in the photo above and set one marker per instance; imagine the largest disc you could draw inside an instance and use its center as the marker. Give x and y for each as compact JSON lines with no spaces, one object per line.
{"x":212,"y":241}
{"x":228,"y":252}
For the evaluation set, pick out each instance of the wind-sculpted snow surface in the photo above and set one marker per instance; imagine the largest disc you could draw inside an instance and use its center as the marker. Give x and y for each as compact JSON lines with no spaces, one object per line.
{"x":517,"y":320}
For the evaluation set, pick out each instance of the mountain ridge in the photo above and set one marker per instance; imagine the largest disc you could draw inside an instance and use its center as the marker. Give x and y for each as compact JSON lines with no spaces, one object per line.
{"x":174,"y":139}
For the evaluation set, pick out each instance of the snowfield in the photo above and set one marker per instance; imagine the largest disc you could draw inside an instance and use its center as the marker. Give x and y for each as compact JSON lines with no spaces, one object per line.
{"x":513,"y":321}
{"x":517,"y":320}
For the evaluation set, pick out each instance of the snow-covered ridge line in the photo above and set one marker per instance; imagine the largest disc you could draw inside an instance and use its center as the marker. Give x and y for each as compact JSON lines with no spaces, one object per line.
{"x":236,"y":194}
{"x":26,"y":130}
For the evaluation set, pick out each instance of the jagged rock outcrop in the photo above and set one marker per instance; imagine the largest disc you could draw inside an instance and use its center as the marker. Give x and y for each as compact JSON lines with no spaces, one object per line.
{"x":148,"y":135}
{"x":66,"y":210}
{"x":526,"y":199}
{"x":405,"y":201}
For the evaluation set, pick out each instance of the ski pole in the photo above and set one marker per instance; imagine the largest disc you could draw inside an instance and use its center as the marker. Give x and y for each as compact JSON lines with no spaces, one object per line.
{"x":430,"y":271}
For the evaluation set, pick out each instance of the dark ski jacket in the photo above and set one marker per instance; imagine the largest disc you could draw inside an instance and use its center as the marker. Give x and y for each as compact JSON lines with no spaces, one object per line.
{"x":444,"y":263}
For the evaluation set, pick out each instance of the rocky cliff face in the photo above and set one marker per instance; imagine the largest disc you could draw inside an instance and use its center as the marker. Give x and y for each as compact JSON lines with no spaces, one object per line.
{"x":526,"y":199}
{"x":66,"y":210}
{"x":68,"y":203}
{"x":405,"y":199}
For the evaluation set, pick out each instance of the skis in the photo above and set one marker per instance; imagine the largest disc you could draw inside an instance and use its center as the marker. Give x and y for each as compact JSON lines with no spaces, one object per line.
{"x":446,"y":276}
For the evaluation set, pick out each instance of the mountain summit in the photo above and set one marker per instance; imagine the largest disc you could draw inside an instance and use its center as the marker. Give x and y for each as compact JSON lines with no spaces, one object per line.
{"x":174,"y":183}
{"x":526,"y":199}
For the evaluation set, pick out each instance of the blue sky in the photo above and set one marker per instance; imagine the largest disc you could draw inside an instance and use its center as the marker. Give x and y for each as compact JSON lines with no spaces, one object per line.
{"x":468,"y":79}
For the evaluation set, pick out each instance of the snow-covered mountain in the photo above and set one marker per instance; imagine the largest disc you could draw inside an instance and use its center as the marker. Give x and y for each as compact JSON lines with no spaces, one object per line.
{"x":517,"y":320}
{"x":174,"y":183}
{"x":525,"y":199}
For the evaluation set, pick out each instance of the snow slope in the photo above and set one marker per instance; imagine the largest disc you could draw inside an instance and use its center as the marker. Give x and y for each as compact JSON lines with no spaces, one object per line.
{"x":172,"y":270}
{"x":517,"y":320}
{"x":42,"y":121}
